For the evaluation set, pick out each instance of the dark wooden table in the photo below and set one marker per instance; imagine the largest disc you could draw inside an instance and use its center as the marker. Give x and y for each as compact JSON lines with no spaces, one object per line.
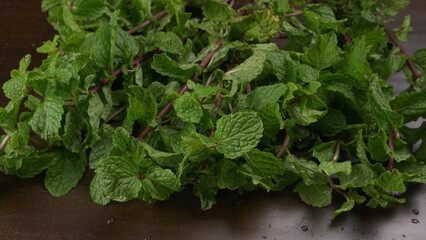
{"x":27,"y":211}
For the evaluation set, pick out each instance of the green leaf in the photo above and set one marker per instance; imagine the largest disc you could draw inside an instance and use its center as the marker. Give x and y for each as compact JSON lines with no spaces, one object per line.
{"x":248,"y":70}
{"x":228,"y":175}
{"x":160,"y":183}
{"x":356,"y":64}
{"x":308,"y":110}
{"x":202,"y":91}
{"x":266,"y":94}
{"x":206,"y":190}
{"x":95,"y":110}
{"x":72,"y":131}
{"x":102,"y":47}
{"x":315,"y":195}
{"x":102,"y":148}
{"x":391,"y":7}
{"x":142,"y":104}
{"x":324,"y":152}
{"x":320,"y":17}
{"x":411,"y":105}
{"x":46,"y":120}
{"x":391,"y":181}
{"x":166,"y":66}
{"x":117,"y":178}
{"x":65,"y":172}
{"x":168,"y":42}
{"x":271,"y":117}
{"x":330,"y":168}
{"x":14,"y":89}
{"x":126,"y":47}
{"x":217,"y":10}
{"x":323,"y":53}
{"x":404,"y":29}
{"x":280,"y":7}
{"x":264,"y":163}
{"x":86,"y":10}
{"x":378,"y":147}
{"x":345,"y":207}
{"x":265,"y":25}
{"x":332,"y":123}
{"x":238,"y":133}
{"x":188,"y":108}
{"x":360,"y":176}
{"x":385,"y":117}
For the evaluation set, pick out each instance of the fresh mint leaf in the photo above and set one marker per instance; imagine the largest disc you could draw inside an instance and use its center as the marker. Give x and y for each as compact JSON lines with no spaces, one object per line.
{"x":323,"y":53}
{"x":314,"y":195}
{"x":46,"y":120}
{"x":248,"y":70}
{"x":142,"y":104}
{"x":65,"y":171}
{"x":217,"y":10}
{"x":166,"y":66}
{"x":188,"y":108}
{"x":238,"y":133}
{"x":264,"y":163}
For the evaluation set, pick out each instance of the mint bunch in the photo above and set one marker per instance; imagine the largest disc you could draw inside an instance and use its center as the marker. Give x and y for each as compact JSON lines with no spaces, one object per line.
{"x":156,"y":96}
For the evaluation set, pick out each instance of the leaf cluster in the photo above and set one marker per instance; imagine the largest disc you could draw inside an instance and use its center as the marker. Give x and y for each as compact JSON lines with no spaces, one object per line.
{"x":207,"y":96}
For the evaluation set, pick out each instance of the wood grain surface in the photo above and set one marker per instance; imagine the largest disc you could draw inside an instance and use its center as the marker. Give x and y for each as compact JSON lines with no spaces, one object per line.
{"x":27,"y":211}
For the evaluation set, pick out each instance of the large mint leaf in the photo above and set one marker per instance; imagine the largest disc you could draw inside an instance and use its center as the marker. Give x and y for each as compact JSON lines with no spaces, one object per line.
{"x":46,"y":120}
{"x":356,"y":64}
{"x":72,"y":131}
{"x":378,"y":147}
{"x":385,"y":117}
{"x":320,"y":17}
{"x":280,"y":7}
{"x":360,"y":176}
{"x":102,"y":48}
{"x":323,"y":53}
{"x":126,"y":47}
{"x":14,"y":89}
{"x":266,"y":94}
{"x":117,"y":178}
{"x":188,"y":108}
{"x":228,"y":175}
{"x":238,"y":133}
{"x":411,"y":105}
{"x":65,"y":172}
{"x":264,"y":163}
{"x":166,"y":66}
{"x":308,"y":110}
{"x":315,"y":195}
{"x":160,"y":183}
{"x":142,"y":104}
{"x":217,"y":10}
{"x":248,"y":70}
{"x":168,"y":42}
{"x":391,"y":181}
{"x":86,"y":10}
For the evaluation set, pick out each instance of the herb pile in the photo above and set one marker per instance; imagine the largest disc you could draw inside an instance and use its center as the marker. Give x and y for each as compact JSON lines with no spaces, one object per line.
{"x":156,"y":96}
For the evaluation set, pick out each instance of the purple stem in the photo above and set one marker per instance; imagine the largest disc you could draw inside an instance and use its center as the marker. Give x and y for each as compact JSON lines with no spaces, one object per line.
{"x":147,"y":22}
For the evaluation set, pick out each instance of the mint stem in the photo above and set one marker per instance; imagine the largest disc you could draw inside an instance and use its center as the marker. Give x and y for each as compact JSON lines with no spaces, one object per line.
{"x":185,"y":88}
{"x":329,"y":179}
{"x":116,"y":113}
{"x":397,"y":43}
{"x":391,"y":144}
{"x":284,"y":146}
{"x":147,"y":22}
{"x":4,"y":142}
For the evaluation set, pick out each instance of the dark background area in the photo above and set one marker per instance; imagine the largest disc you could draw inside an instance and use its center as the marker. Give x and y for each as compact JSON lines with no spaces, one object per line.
{"x":28,"y":211}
